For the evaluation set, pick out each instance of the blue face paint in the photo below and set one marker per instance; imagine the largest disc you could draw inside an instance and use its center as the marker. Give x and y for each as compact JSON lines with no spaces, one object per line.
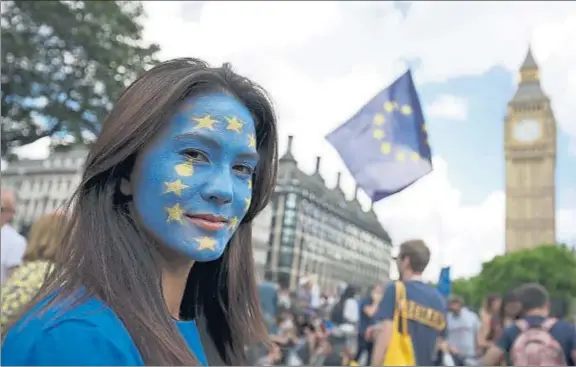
{"x":192,"y":184}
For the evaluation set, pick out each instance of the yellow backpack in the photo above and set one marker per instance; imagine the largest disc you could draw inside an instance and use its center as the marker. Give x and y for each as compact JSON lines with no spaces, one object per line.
{"x":400,"y":349}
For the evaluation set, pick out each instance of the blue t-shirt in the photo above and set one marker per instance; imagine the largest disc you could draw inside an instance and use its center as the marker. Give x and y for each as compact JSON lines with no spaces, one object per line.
{"x":426,"y":317}
{"x":87,"y":334}
{"x":365,"y":320}
{"x":562,"y":331}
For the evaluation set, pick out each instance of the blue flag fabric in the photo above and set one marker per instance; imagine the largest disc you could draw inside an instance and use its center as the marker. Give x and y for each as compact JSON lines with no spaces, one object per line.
{"x":444,"y":282}
{"x":385,"y":144}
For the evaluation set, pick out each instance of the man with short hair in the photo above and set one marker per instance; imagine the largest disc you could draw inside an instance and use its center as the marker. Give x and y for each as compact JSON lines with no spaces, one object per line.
{"x":462,"y":331}
{"x":426,"y":307}
{"x":535,"y":323}
{"x":12,"y":243}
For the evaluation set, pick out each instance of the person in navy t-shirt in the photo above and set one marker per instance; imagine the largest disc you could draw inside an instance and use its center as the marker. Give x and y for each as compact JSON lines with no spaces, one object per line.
{"x":426,"y":307}
{"x":535,"y":302}
{"x":160,"y":229}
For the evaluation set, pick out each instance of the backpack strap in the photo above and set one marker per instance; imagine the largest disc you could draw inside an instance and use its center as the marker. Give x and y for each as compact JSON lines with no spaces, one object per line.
{"x":522,"y":325}
{"x":548,"y":323}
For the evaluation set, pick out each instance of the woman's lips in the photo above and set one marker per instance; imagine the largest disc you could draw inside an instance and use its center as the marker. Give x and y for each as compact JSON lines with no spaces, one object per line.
{"x":212,"y":225}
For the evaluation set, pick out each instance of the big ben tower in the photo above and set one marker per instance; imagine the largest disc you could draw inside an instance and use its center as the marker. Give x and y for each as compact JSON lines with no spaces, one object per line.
{"x":530,"y":149}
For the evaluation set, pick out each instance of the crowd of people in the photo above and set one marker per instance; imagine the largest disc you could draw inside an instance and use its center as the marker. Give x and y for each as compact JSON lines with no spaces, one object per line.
{"x":153,"y":262}
{"x":513,"y":329}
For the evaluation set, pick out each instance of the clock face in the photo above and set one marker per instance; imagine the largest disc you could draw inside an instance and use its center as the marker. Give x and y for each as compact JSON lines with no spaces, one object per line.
{"x":527,"y":131}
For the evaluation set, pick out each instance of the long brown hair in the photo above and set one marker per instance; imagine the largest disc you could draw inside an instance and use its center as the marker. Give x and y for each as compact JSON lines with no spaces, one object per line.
{"x":107,"y":253}
{"x":45,"y":237}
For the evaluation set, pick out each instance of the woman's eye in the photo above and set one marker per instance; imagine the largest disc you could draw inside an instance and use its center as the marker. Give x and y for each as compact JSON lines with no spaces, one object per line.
{"x":243,"y":169}
{"x":196,"y":156}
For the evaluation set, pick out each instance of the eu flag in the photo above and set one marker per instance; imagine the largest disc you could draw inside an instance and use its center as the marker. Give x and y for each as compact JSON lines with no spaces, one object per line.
{"x":385,"y":145}
{"x":444,"y":283}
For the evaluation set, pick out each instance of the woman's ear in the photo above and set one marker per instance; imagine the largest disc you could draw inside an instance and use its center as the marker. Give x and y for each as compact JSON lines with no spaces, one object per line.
{"x":125,"y":186}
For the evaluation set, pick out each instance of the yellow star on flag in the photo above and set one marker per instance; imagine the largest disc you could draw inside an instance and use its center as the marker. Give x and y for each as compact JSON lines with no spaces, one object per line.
{"x":185,"y":169}
{"x":176,"y":187}
{"x":378,"y":134}
{"x":379,"y":119}
{"x":234,"y":124}
{"x":206,"y":122}
{"x":385,"y":148}
{"x":406,"y":110}
{"x":206,"y":243}
{"x":251,"y":141}
{"x":415,"y":157}
{"x":233,"y":223}
{"x":388,"y":106}
{"x":247,"y":202}
{"x":175,"y":213}
{"x":400,"y":156}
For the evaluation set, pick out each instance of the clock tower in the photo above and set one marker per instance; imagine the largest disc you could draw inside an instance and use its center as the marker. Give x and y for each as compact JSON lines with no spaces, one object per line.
{"x":530,"y":150}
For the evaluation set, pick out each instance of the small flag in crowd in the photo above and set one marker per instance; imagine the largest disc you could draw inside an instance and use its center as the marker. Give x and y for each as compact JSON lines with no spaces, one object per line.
{"x":444,"y":282}
{"x":385,"y":144}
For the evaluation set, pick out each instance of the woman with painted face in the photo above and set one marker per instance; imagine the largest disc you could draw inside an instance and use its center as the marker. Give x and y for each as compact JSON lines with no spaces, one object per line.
{"x":160,"y":231}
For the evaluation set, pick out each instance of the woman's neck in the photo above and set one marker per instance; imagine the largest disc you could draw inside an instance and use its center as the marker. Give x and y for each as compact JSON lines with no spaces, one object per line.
{"x":174,"y":279}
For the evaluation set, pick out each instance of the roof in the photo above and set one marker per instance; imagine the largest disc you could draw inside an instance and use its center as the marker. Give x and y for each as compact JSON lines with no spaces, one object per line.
{"x":351,"y":209}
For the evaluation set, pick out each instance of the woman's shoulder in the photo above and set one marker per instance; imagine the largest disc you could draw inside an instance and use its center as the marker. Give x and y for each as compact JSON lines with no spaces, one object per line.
{"x":69,"y":332}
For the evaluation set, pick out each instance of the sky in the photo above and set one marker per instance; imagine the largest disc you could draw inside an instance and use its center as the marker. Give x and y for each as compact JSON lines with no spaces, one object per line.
{"x":322,"y":61}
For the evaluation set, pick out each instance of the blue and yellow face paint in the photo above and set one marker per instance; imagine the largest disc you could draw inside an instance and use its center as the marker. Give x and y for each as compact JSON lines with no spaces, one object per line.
{"x":192,"y":185}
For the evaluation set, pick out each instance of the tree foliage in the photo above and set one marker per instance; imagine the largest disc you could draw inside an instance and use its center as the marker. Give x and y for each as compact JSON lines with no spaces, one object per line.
{"x":64,"y":63}
{"x":553,"y":266}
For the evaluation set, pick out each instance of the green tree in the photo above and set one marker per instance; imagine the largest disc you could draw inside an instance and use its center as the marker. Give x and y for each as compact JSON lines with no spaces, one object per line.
{"x":553,"y":266}
{"x":64,"y":63}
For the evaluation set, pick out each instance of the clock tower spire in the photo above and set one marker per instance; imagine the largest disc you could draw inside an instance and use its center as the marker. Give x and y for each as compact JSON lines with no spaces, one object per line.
{"x":530,"y":149}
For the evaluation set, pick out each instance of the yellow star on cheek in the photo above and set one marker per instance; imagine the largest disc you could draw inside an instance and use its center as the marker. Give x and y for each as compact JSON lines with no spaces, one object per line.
{"x":250,"y":184}
{"x":233,"y":223}
{"x":234,"y":124}
{"x":206,"y":243}
{"x":247,"y":202}
{"x":175,"y":213}
{"x":175,"y":187}
{"x":206,"y":122}
{"x":185,"y":169}
{"x":251,"y":141}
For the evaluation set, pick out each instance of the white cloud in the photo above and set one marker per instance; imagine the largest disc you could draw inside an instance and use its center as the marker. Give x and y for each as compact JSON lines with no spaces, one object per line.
{"x":449,"y":107}
{"x":460,"y":236}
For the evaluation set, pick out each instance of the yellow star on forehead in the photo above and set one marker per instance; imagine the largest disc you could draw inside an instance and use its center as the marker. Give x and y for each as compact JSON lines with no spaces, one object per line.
{"x":251,"y":141}
{"x":250,"y":184}
{"x":379,"y":119}
{"x":378,"y":134}
{"x":205,"y":243}
{"x":388,"y":106}
{"x":175,"y":213}
{"x":400,"y":156}
{"x":206,"y":122}
{"x":185,"y":169}
{"x":233,"y":223}
{"x":385,"y":148}
{"x":415,"y":157}
{"x":406,"y":110}
{"x":234,"y":124}
{"x":176,"y":187}
{"x":247,"y":202}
